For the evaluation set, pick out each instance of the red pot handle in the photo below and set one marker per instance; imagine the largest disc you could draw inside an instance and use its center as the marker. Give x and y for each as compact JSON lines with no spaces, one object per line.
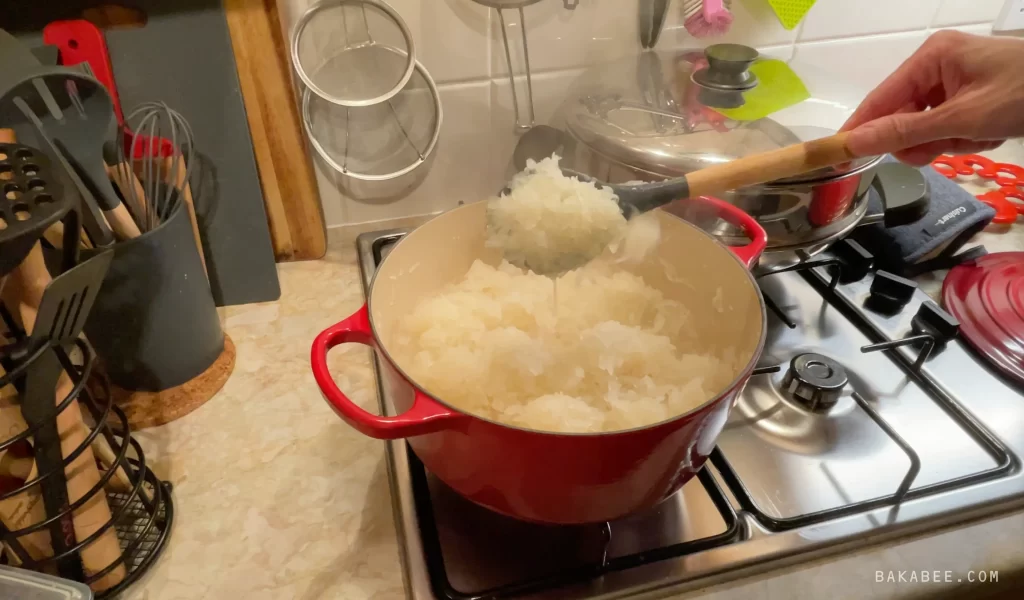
{"x":425,"y":416}
{"x":735,"y":216}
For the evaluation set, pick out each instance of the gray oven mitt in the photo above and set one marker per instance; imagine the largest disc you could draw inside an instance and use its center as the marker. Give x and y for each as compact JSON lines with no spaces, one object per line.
{"x":954,"y":216}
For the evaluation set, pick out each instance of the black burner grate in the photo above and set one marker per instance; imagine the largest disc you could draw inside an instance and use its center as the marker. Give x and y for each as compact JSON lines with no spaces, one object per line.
{"x":443,"y":587}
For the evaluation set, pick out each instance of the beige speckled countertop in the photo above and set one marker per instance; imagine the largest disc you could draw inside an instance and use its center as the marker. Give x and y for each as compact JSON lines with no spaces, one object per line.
{"x":276,"y":498}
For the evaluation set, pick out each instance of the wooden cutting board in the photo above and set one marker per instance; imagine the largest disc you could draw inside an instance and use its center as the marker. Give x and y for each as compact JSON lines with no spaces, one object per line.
{"x":286,"y":172}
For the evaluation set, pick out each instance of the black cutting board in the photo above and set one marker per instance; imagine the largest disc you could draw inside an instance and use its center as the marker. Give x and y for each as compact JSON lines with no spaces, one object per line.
{"x":183,"y":56}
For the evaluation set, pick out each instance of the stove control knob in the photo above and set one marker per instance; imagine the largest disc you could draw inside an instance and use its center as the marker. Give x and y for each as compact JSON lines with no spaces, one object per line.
{"x":890,"y":293}
{"x":815,"y":382}
{"x":856,"y":260}
{"x":936,"y":322}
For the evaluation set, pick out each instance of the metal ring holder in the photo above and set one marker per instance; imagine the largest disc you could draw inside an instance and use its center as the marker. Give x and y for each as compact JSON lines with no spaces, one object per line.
{"x":356,"y":71}
{"x":370,"y":110}
{"x":375,"y":119}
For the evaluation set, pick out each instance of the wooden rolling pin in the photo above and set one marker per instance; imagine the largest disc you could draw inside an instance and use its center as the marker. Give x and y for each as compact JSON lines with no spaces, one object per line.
{"x":22,"y":293}
{"x":26,"y":508}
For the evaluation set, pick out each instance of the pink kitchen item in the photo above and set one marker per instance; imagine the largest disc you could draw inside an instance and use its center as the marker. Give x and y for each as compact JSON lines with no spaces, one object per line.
{"x":707,"y":18}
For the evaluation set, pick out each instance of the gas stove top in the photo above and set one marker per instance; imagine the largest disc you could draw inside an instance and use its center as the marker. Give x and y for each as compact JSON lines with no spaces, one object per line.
{"x":866,"y":415}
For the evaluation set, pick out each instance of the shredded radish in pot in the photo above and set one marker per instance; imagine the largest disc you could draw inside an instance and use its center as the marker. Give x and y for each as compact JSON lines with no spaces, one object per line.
{"x":551,"y":223}
{"x":616,"y":355}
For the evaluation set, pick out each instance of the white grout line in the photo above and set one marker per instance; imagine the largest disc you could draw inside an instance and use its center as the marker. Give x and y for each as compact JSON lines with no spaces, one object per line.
{"x":935,"y":14}
{"x":843,"y":38}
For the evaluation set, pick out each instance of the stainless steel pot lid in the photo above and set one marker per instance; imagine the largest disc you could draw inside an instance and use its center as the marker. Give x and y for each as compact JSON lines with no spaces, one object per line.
{"x":674,"y":112}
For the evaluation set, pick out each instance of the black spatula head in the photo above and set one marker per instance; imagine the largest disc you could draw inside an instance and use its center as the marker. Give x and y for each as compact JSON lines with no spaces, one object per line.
{"x":68,"y":299}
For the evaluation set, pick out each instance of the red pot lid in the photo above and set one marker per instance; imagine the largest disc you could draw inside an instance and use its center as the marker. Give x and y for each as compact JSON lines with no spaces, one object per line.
{"x":987,"y":297}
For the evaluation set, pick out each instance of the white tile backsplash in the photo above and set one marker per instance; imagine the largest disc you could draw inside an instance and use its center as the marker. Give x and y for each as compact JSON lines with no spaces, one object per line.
{"x":560,"y":39}
{"x":845,"y":18}
{"x":966,"y":12}
{"x":459,"y":42}
{"x":784,"y":52}
{"x":859,"y":62}
{"x":453,"y":39}
{"x":464,"y":166}
{"x":980,"y":29}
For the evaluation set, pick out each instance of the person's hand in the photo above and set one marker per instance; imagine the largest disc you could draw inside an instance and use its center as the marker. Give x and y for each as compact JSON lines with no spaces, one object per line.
{"x":957,"y":94}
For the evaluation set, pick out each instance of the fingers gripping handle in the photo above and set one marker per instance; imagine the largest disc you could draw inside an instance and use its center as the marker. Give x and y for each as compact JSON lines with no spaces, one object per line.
{"x":425,"y":416}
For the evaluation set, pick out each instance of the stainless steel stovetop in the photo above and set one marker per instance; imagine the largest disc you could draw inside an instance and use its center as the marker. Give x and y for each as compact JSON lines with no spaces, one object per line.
{"x":827,"y":444}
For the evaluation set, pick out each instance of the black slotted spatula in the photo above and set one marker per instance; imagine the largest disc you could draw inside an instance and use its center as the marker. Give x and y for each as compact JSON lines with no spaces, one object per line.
{"x":62,"y":313}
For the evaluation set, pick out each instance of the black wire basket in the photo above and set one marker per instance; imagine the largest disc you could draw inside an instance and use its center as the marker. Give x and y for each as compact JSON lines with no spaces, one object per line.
{"x":141,"y":515}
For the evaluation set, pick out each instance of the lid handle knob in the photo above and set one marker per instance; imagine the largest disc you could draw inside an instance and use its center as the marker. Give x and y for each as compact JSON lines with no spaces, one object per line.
{"x":728,"y":68}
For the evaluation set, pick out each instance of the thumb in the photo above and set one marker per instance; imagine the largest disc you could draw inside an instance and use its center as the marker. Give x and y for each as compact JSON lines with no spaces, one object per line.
{"x":900,"y":131}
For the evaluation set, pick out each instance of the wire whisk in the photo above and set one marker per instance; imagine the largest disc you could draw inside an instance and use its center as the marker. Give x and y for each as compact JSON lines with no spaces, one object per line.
{"x":164,"y":175}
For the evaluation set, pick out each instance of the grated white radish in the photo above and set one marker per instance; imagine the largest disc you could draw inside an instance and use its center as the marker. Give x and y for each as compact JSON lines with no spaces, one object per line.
{"x":617,"y":356}
{"x":551,"y":223}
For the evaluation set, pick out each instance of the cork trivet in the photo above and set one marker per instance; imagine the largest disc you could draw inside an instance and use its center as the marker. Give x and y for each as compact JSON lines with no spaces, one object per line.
{"x":149,"y":409}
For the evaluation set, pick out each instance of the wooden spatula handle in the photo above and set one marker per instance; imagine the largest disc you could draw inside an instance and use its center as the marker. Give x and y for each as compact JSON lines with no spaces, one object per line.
{"x":769,"y":166}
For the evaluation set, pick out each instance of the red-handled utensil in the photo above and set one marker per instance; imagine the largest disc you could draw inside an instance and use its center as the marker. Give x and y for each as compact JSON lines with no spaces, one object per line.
{"x":79,"y":41}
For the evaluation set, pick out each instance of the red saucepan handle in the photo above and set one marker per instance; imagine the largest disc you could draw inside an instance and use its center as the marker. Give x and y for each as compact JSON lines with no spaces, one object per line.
{"x":425,"y":416}
{"x":734,"y":216}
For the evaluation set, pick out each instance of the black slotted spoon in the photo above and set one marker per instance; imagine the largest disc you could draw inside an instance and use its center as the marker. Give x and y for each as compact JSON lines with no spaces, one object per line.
{"x":32,"y":200}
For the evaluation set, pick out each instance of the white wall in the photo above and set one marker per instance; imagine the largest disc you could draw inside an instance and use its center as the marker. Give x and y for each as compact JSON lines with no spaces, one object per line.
{"x":460,"y":44}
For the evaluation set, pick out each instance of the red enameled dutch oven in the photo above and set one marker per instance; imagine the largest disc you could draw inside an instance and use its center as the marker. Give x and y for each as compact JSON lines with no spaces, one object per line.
{"x":548,"y":477}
